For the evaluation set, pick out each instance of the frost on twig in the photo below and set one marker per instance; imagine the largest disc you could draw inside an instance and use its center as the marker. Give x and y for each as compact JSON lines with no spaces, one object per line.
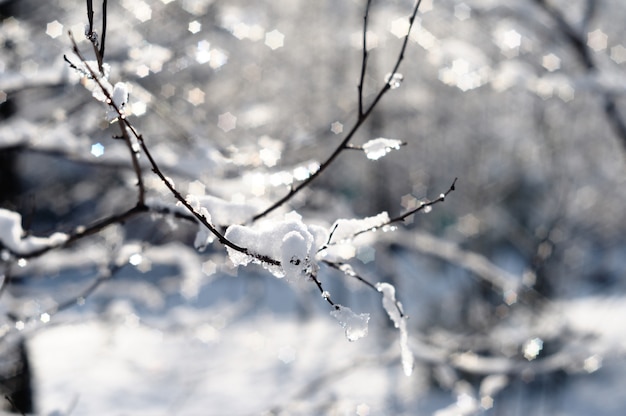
{"x":290,"y":241}
{"x":224,"y":212}
{"x":346,"y":229}
{"x":339,"y":246}
{"x":12,"y":235}
{"x":217,"y":211}
{"x":355,"y":325}
{"x":394,"y":310}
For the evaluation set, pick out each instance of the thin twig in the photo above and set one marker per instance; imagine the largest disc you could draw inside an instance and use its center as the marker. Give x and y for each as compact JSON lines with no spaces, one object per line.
{"x":403,"y":216}
{"x":364,"y":59}
{"x":362,"y":117}
{"x":121,"y":120}
{"x":90,"y":18}
{"x":104,"y":29}
{"x":201,"y":218}
{"x":86,"y":292}
{"x":82,"y":232}
{"x":93,"y":36}
{"x":422,"y":206}
{"x":351,"y":273}
{"x":577,"y":40}
{"x":324,"y":294}
{"x":157,"y":170}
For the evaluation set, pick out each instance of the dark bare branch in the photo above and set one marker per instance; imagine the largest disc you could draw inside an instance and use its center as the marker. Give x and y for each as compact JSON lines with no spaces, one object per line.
{"x":362,"y":117}
{"x":577,"y":40}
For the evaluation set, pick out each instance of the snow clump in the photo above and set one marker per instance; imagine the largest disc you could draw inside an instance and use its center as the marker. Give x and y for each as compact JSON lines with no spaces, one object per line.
{"x":394,"y":310}
{"x":346,"y":229}
{"x":377,"y":148}
{"x":289,"y":241}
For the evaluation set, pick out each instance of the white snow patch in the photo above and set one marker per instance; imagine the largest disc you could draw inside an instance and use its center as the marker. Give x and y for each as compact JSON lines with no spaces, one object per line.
{"x":377,"y":148}
{"x":120,"y":97}
{"x":225,"y":212}
{"x":290,"y":242}
{"x":12,"y":235}
{"x":346,"y":229}
{"x":394,"y":310}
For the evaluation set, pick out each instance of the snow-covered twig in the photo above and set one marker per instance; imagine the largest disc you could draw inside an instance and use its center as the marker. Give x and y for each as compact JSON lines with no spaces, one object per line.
{"x":423,"y":206}
{"x":126,"y":126}
{"x":121,"y":119}
{"x":364,"y":58}
{"x":386,"y":222}
{"x":98,"y":45}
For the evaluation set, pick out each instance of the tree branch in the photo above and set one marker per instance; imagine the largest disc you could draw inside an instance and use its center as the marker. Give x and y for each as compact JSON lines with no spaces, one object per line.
{"x":362,"y":117}
{"x":577,"y":41}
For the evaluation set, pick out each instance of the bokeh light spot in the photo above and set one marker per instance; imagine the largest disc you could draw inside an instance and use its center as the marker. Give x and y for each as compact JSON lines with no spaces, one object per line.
{"x":195,"y":96}
{"x":227,"y":122}
{"x":551,"y":62}
{"x":194,"y":27}
{"x":274,"y":39}
{"x":597,"y":40}
{"x":97,"y":149}
{"x":54,"y":29}
{"x":400,"y":27}
{"x":618,"y":54}
{"x":336,"y":127}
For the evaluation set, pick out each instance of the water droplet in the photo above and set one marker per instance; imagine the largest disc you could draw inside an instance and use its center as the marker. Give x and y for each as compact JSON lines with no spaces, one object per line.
{"x":45,"y":317}
{"x":19,"y":325}
{"x":394,"y":80}
{"x":22,"y":262}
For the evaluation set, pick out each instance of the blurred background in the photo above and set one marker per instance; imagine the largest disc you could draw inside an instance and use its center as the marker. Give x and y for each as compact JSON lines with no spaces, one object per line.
{"x":514,"y":285}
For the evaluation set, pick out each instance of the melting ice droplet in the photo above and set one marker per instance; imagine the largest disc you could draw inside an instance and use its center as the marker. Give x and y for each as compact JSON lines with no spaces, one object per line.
{"x":355,"y":325}
{"x":394,"y":80}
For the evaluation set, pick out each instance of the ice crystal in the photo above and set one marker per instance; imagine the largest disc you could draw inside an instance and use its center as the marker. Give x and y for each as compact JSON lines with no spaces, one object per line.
{"x":355,"y":325}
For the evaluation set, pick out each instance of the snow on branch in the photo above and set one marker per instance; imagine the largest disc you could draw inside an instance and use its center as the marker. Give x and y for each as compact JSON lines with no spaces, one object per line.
{"x":394,"y":310}
{"x":13,"y":237}
{"x":392,"y":81}
{"x":290,"y":241}
{"x":377,"y":148}
{"x":346,"y":229}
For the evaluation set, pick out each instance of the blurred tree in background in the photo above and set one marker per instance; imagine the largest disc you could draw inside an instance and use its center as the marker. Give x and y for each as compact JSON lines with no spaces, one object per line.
{"x":514,"y":285}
